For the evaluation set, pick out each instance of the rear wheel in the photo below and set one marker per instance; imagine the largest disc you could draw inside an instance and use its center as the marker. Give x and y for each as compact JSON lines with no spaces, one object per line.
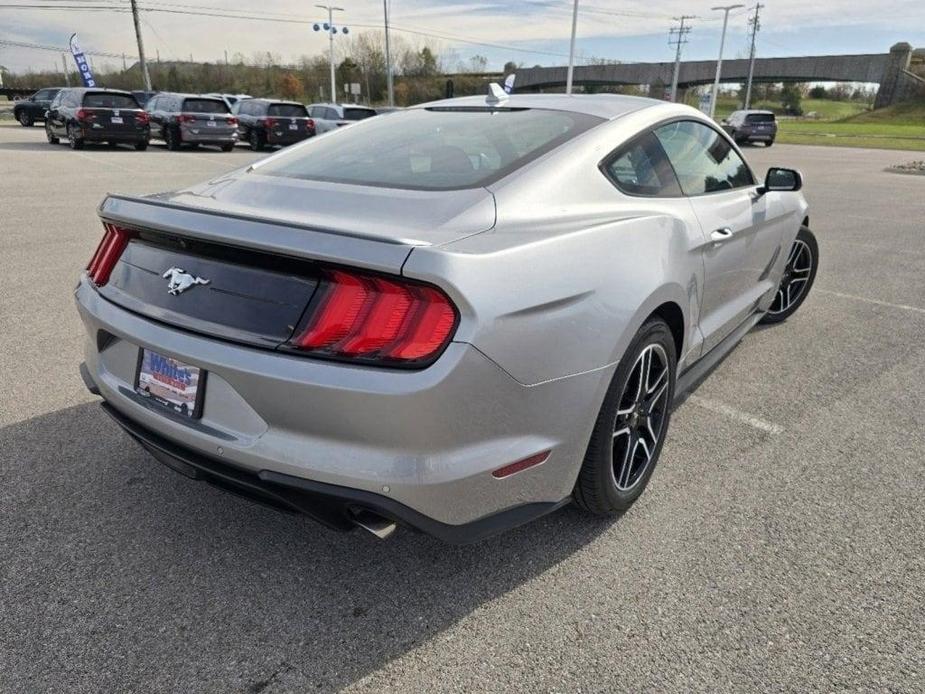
{"x":141,"y":146}
{"x":227,"y":147}
{"x":73,"y":137}
{"x":258,"y":140}
{"x":769,"y":143}
{"x":797,"y":280}
{"x":50,"y":135}
{"x":25,"y":119}
{"x":630,"y":429}
{"x":172,"y":138}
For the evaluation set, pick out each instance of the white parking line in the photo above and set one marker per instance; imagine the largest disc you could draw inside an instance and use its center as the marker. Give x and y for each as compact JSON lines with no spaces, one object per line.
{"x":731,"y":412}
{"x":876,"y":302}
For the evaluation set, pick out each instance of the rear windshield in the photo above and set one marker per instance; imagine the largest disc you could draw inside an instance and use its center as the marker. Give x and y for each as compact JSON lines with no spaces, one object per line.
{"x":432,"y":149}
{"x":358,"y":113}
{"x":287,"y":110}
{"x":204,"y":106}
{"x":107,"y":100}
{"x":759,"y":118}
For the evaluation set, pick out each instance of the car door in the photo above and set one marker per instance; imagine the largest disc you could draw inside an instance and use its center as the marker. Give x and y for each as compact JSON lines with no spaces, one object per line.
{"x":56,"y":113}
{"x":640,"y":169}
{"x":742,"y":231}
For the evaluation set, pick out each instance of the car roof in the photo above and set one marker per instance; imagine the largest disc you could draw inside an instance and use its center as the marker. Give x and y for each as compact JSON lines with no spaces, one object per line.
{"x":274,"y":101}
{"x":184,"y":95}
{"x":757,"y":110}
{"x":606,"y":106}
{"x":95,"y":89}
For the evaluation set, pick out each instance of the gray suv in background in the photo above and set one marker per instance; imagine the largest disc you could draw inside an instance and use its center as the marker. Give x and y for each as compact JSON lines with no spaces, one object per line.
{"x":332,"y":116}
{"x":192,"y":119}
{"x":751,"y":126}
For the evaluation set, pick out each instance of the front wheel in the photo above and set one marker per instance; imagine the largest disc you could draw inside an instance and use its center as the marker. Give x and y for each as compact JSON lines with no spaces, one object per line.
{"x":630,"y":429}
{"x":25,"y":119}
{"x":797,"y":279}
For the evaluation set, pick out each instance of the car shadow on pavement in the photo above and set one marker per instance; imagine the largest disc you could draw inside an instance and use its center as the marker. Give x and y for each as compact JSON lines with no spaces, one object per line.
{"x":119,"y":574}
{"x":44,"y":146}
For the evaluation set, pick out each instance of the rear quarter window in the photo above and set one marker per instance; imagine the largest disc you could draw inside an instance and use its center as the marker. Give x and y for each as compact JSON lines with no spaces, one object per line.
{"x":106,"y":100}
{"x":204,"y":106}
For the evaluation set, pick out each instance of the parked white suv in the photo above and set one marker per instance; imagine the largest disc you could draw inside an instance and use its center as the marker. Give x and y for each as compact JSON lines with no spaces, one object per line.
{"x":330,"y":116}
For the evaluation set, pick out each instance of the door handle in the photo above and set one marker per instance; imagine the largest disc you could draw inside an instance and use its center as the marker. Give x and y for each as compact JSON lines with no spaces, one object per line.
{"x":721,"y":234}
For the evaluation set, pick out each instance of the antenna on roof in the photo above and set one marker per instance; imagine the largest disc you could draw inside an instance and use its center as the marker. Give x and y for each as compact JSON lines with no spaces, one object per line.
{"x":496,"y":94}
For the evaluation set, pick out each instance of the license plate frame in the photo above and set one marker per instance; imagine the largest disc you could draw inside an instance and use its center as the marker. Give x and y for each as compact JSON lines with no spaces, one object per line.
{"x":116,"y":120}
{"x":186,"y":402}
{"x":293,"y":126}
{"x":211,"y":124}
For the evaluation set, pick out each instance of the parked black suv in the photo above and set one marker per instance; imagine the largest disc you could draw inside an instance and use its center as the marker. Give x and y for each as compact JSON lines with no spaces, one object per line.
{"x":751,"y":126}
{"x":88,"y":114}
{"x":28,"y":111}
{"x":192,"y":119}
{"x":265,"y":122}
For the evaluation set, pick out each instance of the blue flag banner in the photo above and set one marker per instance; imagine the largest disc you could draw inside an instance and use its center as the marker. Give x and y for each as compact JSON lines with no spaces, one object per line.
{"x":83,"y":67}
{"x":509,"y":83}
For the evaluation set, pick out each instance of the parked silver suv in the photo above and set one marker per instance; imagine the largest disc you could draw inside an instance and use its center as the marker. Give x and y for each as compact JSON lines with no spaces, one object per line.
{"x":329,"y":117}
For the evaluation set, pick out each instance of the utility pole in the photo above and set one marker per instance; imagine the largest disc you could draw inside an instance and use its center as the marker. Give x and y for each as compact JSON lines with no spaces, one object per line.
{"x":331,"y":31}
{"x":67,"y":76}
{"x":141,"y":47}
{"x":678,"y":36}
{"x":754,"y":24}
{"x":725,"y":9}
{"x":388,"y":57}
{"x":571,"y":50}
{"x":123,"y":62}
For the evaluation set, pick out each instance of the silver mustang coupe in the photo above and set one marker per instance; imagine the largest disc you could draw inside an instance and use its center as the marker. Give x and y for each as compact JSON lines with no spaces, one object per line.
{"x":454,"y":318}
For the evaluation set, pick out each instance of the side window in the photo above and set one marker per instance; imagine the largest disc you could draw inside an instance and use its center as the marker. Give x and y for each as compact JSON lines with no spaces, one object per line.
{"x":703,"y":160}
{"x":641,"y":168}
{"x":152,"y":104}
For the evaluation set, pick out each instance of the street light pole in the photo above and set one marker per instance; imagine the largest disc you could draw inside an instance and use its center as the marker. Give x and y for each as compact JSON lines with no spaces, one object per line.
{"x":719,"y":62}
{"x":571,"y":50}
{"x":388,"y":56}
{"x":331,"y":10}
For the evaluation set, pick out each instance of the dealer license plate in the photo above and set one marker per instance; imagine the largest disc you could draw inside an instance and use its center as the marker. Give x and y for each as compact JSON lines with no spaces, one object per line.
{"x":117,"y":120}
{"x":169,"y":382}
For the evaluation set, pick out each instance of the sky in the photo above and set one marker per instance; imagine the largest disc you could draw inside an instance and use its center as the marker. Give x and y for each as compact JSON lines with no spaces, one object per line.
{"x":529,"y":32}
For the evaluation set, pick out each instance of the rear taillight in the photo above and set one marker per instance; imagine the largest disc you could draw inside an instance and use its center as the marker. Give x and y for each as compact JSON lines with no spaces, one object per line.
{"x":185,"y":118}
{"x":268,"y":122}
{"x":85,"y":115}
{"x":380,"y":320}
{"x":107,"y":254}
{"x":231,"y":120}
{"x":311,"y":124}
{"x":142,"y":118}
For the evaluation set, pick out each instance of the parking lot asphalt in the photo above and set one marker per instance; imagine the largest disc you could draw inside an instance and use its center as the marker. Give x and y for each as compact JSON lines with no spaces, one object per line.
{"x":780,"y":545}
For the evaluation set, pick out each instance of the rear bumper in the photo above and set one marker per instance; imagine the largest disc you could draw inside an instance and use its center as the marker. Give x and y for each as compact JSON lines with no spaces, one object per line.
{"x":333,"y":506}
{"x":286,"y":138}
{"x":106,"y":135}
{"x":422,"y":443}
{"x":209,"y":136}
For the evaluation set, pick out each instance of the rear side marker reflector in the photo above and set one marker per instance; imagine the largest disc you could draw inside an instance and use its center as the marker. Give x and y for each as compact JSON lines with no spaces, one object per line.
{"x":377,"y":320}
{"x":107,"y":254}
{"x":520,"y":465}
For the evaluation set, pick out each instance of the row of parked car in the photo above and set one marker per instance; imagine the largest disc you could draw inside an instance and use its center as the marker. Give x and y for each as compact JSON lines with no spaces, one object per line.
{"x":92,"y":115}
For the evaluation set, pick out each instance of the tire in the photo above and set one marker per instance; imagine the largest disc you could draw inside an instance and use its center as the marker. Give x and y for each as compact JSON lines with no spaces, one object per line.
{"x":257,"y":140}
{"x":617,"y":468}
{"x":227,"y":148}
{"x":49,"y":134}
{"x":141,"y":146}
{"x":797,"y":280}
{"x":769,"y":143}
{"x":172,"y":138}
{"x":25,"y":118}
{"x":72,"y":139}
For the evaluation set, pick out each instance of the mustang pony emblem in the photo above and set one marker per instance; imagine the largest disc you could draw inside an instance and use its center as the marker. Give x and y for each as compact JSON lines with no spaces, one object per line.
{"x":180,"y":281}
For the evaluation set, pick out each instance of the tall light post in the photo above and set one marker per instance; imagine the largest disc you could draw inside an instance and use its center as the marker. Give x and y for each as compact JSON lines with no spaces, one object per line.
{"x":571,"y":50}
{"x":388,"y":56}
{"x":331,"y":29}
{"x":726,"y":9}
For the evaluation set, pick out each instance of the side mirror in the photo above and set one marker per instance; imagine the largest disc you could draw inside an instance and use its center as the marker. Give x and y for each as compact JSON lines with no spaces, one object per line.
{"x":782,"y":180}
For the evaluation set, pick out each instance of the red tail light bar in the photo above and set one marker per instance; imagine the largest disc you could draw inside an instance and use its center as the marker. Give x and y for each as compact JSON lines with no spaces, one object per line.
{"x":377,"y":320}
{"x":268,"y":122}
{"x":142,"y":117}
{"x":185,"y":118}
{"x":84,"y":115}
{"x":107,"y":254}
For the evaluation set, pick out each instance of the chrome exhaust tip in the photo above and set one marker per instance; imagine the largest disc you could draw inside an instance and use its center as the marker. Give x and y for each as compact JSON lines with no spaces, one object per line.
{"x":374,"y":523}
